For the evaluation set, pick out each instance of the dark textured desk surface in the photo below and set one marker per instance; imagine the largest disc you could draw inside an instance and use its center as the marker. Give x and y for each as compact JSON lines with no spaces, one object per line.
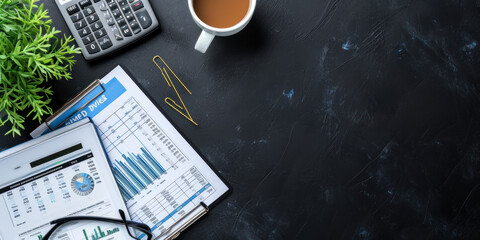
{"x":331,"y":119}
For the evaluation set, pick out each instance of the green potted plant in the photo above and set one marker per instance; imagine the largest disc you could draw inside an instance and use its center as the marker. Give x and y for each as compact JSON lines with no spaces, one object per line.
{"x":31,"y":54}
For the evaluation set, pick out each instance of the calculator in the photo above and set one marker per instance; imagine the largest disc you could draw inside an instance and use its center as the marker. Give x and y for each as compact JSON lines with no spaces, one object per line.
{"x":104,"y":26}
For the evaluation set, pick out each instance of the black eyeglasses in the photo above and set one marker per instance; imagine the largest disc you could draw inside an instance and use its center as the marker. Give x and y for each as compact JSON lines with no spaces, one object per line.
{"x":128,"y":224}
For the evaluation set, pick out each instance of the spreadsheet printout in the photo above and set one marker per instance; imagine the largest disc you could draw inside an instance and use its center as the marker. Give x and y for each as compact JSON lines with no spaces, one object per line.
{"x":62,"y":174}
{"x":161,"y":177}
{"x":72,"y":188}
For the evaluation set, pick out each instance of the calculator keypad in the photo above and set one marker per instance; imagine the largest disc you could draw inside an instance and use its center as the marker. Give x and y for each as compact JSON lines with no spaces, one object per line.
{"x":113,"y":6}
{"x":135,"y":27}
{"x":129,"y":17}
{"x":126,"y":9}
{"x":80,"y":24}
{"x":121,"y":22}
{"x":110,"y":21}
{"x":144,"y":18}
{"x":106,"y":14}
{"x":92,"y":18}
{"x":84,"y":3}
{"x":76,"y":16}
{"x":96,"y":25}
{"x":105,"y":42}
{"x":72,"y":9}
{"x":103,"y":6}
{"x":126,"y":31}
{"x":88,"y":11}
{"x":122,"y":3}
{"x":100,"y":33}
{"x":124,"y":18}
{"x":116,"y":33}
{"x":137,"y":5}
{"x":116,"y":14}
{"x":88,"y":39}
{"x":92,"y":47}
{"x":84,"y":31}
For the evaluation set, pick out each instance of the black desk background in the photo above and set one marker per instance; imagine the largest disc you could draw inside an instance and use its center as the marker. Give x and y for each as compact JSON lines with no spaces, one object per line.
{"x":331,"y":119}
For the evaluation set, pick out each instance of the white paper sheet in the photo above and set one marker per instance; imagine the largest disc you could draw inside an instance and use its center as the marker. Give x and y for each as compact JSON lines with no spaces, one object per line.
{"x":57,"y":176}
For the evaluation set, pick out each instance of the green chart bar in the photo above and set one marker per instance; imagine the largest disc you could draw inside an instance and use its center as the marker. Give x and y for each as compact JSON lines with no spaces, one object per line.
{"x":102,"y":234}
{"x":110,"y":232}
{"x":98,"y":233}
{"x":40,"y":237}
{"x":85,"y":233}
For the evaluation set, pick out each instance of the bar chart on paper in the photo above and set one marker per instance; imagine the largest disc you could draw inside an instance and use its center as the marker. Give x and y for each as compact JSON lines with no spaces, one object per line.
{"x":141,"y":154}
{"x":98,"y":233}
{"x":139,"y":150}
{"x":89,"y":232}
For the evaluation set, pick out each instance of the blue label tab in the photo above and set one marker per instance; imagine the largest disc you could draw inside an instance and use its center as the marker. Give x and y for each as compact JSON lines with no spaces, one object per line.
{"x":113,"y":90}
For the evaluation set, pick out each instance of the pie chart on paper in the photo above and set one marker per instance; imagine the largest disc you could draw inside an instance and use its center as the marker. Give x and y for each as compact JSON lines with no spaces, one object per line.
{"x":82,"y":184}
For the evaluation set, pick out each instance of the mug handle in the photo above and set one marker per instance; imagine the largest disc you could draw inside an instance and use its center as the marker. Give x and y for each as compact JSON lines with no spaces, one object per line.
{"x":204,"y":41}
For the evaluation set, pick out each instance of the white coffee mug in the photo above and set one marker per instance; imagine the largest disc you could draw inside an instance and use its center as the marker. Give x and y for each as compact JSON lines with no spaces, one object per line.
{"x":209,"y":32}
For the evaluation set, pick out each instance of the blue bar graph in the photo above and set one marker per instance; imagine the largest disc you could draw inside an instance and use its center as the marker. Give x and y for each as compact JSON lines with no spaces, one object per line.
{"x":136,"y":171}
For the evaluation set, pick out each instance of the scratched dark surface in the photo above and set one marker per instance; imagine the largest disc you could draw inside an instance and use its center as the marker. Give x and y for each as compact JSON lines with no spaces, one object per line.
{"x":330,"y":119}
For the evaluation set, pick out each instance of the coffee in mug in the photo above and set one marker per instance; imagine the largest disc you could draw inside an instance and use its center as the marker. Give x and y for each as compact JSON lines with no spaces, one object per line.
{"x":221,"y":13}
{"x":219,"y":18}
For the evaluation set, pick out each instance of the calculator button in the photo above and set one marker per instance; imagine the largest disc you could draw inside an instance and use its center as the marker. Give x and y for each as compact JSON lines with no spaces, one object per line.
{"x":103,"y":6}
{"x":144,"y":18}
{"x":105,"y":42}
{"x":113,"y":6}
{"x":110,"y":1}
{"x":107,"y":14}
{"x":121,"y":22}
{"x":72,"y":9}
{"x":116,"y":33}
{"x":130,"y":1}
{"x":126,"y":31}
{"x":126,"y":9}
{"x":84,"y":3}
{"x":80,"y":24}
{"x":122,"y":3}
{"x":96,"y":0}
{"x":110,"y":21}
{"x":92,"y":18}
{"x":97,"y":25}
{"x":88,"y":39}
{"x":134,"y":26}
{"x":137,"y":5}
{"x":88,"y":10}
{"x":76,"y":16}
{"x":83,"y":32}
{"x":116,"y":14}
{"x":129,"y":16}
{"x":92,"y":47}
{"x":100,"y":33}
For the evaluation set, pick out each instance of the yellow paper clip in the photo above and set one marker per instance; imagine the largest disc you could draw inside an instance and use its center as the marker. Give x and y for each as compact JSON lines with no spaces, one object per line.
{"x":169,"y":81}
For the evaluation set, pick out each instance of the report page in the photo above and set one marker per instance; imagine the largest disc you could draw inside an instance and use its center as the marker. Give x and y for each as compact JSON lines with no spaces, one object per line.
{"x":69,"y":188}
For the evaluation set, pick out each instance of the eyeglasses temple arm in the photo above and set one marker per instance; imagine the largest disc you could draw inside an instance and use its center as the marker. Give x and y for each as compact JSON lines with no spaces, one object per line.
{"x":124,"y":219}
{"x":140,"y":226}
{"x":49,"y":233}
